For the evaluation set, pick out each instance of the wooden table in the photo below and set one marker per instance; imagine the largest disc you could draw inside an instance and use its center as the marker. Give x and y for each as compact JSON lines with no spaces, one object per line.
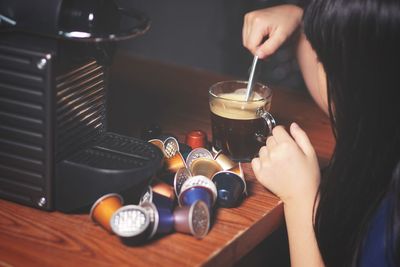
{"x":144,"y":92}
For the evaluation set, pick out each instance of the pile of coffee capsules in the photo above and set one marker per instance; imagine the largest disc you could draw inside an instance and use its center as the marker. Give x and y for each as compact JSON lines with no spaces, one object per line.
{"x":182,"y":198}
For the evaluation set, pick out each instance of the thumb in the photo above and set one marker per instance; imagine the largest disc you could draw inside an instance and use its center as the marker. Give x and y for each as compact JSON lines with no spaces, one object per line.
{"x":302,"y":139}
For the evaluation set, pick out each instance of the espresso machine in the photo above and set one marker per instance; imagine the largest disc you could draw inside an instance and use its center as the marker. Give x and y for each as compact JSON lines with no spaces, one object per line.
{"x":55,"y":150}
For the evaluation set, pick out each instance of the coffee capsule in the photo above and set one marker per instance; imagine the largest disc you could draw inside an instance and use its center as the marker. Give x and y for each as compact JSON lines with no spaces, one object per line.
{"x":153,"y":217}
{"x":231,"y":188}
{"x":185,"y":150}
{"x":238,"y":170}
{"x":198,"y":153}
{"x":204,"y":166}
{"x":198,"y":188}
{"x":224,"y":161}
{"x":131,"y":224}
{"x":193,"y":219}
{"x":180,"y":177}
{"x":196,"y":138}
{"x":174,"y":163}
{"x":163,"y":188}
{"x":171,"y":147}
{"x":159,"y":200}
{"x":158,"y":143}
{"x":163,"y":218}
{"x":103,"y":209}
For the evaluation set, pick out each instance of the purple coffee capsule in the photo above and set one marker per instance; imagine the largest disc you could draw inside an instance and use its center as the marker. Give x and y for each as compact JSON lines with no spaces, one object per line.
{"x":198,"y":188}
{"x":180,"y":177}
{"x":196,"y":153}
{"x":193,"y":219}
{"x":131,"y":224}
{"x":231,"y":188}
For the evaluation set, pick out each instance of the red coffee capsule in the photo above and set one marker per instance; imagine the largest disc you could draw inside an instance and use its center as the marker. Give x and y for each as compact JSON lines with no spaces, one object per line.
{"x":196,"y":138}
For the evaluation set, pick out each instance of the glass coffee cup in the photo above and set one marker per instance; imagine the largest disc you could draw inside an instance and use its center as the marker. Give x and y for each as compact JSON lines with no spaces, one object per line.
{"x":240,"y":127}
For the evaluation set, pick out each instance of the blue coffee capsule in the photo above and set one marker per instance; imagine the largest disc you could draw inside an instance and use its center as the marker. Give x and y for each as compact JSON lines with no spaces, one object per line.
{"x":161,"y":219}
{"x":198,"y":188}
{"x":193,"y":194}
{"x":166,"y":220}
{"x":231,"y":188}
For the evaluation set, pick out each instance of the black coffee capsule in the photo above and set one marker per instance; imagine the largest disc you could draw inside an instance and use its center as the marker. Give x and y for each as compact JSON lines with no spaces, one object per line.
{"x":231,"y":188}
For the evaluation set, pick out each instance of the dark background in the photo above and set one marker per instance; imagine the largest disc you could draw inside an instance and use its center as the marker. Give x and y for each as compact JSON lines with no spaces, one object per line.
{"x":207,"y":34}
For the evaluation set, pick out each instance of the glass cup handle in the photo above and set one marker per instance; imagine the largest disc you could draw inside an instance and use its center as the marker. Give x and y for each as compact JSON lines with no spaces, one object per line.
{"x":269,"y":119}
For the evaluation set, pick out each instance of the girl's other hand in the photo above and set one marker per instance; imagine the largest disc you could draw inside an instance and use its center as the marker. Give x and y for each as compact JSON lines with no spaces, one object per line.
{"x":288,"y":166}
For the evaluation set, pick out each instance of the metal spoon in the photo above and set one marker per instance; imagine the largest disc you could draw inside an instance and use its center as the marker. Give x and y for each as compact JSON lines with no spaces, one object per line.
{"x":251,"y":78}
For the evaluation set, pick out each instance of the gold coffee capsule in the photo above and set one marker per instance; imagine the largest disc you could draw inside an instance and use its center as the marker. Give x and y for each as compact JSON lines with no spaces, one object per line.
{"x":224,"y":161}
{"x":204,"y":166}
{"x":196,"y":153}
{"x":103,"y":209}
{"x":163,"y":189}
{"x":158,"y":143}
{"x":238,"y":170}
{"x":174,"y":163}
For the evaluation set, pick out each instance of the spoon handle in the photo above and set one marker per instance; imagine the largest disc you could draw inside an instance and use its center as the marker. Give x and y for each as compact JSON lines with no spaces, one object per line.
{"x":251,"y":78}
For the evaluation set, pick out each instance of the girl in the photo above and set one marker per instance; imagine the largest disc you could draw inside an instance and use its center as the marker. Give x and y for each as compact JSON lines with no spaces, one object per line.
{"x":350,"y":60}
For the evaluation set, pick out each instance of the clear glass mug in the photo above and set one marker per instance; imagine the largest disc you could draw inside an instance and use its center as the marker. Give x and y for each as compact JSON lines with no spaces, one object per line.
{"x":240,"y":127}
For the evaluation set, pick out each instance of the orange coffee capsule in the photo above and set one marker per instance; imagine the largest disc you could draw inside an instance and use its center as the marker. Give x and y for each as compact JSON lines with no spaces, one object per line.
{"x":196,"y":138}
{"x":163,"y":188}
{"x":103,"y":209}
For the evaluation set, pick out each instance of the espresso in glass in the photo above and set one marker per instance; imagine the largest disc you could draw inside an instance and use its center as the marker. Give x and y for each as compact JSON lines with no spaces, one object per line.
{"x":239,"y":127}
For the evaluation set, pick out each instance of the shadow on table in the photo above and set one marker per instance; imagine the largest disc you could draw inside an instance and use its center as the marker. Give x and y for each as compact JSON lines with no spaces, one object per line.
{"x":273,"y":251}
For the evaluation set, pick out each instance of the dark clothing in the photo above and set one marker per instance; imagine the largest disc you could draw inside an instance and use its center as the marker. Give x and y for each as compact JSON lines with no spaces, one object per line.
{"x":377,"y":250}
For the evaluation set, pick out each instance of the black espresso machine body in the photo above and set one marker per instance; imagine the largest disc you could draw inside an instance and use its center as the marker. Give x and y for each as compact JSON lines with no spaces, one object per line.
{"x":55,"y":150}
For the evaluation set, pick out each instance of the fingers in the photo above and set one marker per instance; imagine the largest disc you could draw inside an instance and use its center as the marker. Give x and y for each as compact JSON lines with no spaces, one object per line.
{"x":255,"y":29}
{"x":270,"y":46}
{"x":270,"y":142}
{"x":281,"y":135}
{"x":302,"y":139}
{"x":256,"y":165}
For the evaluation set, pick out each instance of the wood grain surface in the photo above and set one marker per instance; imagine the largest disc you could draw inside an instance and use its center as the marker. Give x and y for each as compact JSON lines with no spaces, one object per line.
{"x":143,"y":92}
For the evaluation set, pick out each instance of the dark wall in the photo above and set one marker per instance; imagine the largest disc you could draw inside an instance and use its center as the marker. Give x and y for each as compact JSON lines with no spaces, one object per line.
{"x":207,"y":34}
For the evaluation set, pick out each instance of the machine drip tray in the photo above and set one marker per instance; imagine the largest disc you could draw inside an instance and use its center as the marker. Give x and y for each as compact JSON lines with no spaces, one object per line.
{"x":113,"y":164}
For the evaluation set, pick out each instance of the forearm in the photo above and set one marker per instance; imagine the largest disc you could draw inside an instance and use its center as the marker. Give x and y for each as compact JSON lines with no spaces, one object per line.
{"x":302,"y":241}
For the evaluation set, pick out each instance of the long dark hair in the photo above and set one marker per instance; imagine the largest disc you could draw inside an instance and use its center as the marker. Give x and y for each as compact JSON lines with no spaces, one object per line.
{"x":358,"y":43}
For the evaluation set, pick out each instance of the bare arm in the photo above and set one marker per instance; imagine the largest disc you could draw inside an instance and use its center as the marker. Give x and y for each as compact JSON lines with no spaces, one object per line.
{"x":288,"y":166}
